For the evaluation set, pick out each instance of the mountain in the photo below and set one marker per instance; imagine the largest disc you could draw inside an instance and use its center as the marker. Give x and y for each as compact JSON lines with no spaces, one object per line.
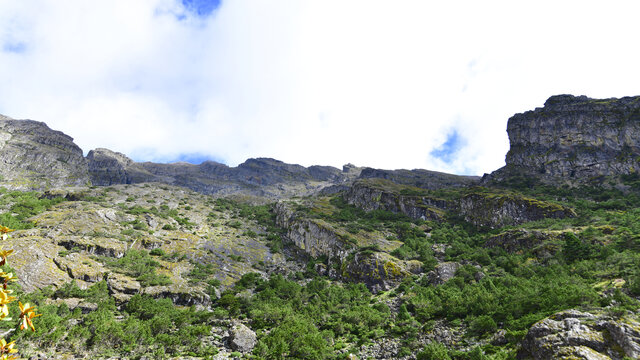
{"x":268,"y":260}
{"x":35,"y":157}
{"x":574,"y":139}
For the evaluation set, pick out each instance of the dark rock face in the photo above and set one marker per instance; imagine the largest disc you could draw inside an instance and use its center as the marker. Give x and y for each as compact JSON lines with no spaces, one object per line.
{"x":35,"y":157}
{"x":574,"y":139}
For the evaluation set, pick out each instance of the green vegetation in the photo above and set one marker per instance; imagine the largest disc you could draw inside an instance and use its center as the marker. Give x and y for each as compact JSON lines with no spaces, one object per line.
{"x":23,"y":205}
{"x":506,"y":280}
{"x":140,"y":265}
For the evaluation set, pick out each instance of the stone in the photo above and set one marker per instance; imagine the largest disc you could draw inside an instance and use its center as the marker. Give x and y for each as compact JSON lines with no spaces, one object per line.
{"x":574,"y":334}
{"x":573,"y":139}
{"x":34,"y":157}
{"x":242,"y":338}
{"x":443,"y":272}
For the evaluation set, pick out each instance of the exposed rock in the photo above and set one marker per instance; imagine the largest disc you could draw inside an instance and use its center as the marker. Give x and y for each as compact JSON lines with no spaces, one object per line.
{"x":497,"y":210}
{"x":108,"y":167}
{"x":73,"y":303}
{"x":314,"y":236}
{"x":257,"y":177}
{"x":574,"y":139}
{"x":513,"y":241}
{"x":242,"y":338}
{"x":122,"y":287}
{"x":480,"y":207}
{"x":95,"y":246}
{"x":81,"y":267}
{"x":378,"y":270}
{"x":180,"y":295}
{"x":425,"y":179}
{"x":443,"y":272}
{"x":582,"y":335}
{"x":374,"y":194}
{"x":35,"y":157}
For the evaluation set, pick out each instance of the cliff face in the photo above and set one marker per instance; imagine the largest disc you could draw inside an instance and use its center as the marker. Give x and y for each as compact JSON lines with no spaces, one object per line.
{"x":35,"y":157}
{"x":478,"y":206}
{"x":574,"y":139}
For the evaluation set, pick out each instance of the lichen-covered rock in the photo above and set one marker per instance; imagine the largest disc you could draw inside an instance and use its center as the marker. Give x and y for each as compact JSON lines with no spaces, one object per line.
{"x":81,"y":267}
{"x":573,"y":334}
{"x":242,"y":338}
{"x":35,"y":157}
{"x":95,"y":245}
{"x":574,"y":139}
{"x":314,"y":236}
{"x":374,"y":194}
{"x":122,"y":287}
{"x":378,"y":270}
{"x":497,"y":210}
{"x":479,"y":206}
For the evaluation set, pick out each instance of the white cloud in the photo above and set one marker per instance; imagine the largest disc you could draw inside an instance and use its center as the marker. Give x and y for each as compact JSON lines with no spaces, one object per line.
{"x":368,"y":82}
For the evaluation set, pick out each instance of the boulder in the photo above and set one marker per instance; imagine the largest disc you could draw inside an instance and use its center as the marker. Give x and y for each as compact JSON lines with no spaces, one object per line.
{"x":242,"y":338}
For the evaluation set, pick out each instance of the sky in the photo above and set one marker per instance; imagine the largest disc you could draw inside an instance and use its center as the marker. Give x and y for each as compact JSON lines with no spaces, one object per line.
{"x":401,"y":84}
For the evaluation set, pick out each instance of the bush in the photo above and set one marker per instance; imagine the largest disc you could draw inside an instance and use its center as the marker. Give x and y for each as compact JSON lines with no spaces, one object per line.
{"x":434,"y":351}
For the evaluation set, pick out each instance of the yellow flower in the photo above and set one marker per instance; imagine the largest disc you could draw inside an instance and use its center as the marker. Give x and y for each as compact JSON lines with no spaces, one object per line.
{"x":7,"y":277}
{"x":26,"y":314}
{"x":7,"y":348}
{"x":4,"y":230}
{"x":3,"y":255}
{"x":5,"y":298}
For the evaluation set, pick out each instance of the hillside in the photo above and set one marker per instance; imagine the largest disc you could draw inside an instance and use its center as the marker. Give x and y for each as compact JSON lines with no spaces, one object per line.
{"x":270,"y":260}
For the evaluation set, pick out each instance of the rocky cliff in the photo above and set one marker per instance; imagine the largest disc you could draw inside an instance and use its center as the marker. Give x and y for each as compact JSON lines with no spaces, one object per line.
{"x":574,"y":139}
{"x":35,"y":157}
{"x":479,"y":206}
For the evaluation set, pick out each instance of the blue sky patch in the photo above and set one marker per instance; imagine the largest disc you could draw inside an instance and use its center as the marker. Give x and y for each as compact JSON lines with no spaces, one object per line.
{"x":202,"y":8}
{"x":14,"y":47}
{"x":447,"y":151}
{"x":193,"y":158}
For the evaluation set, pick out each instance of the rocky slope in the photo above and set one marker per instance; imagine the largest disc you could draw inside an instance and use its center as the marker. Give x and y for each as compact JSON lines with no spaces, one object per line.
{"x":349,"y":256}
{"x":574,"y":139}
{"x":78,"y":239}
{"x":35,"y":157}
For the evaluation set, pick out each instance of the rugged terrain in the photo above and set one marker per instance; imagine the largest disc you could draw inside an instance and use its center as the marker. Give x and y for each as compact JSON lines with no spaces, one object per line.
{"x":574,"y":139}
{"x":268,"y":260}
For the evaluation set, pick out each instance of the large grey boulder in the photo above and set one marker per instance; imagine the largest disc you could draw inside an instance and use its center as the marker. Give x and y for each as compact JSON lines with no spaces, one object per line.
{"x":242,"y":338}
{"x":574,"y":334}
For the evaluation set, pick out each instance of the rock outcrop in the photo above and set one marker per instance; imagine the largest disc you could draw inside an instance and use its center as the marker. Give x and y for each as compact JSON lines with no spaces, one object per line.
{"x":35,"y":157}
{"x":242,"y":338}
{"x":573,"y":334}
{"x":357,"y":261}
{"x":574,"y":139}
{"x":479,"y":206}
{"x":425,"y":179}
